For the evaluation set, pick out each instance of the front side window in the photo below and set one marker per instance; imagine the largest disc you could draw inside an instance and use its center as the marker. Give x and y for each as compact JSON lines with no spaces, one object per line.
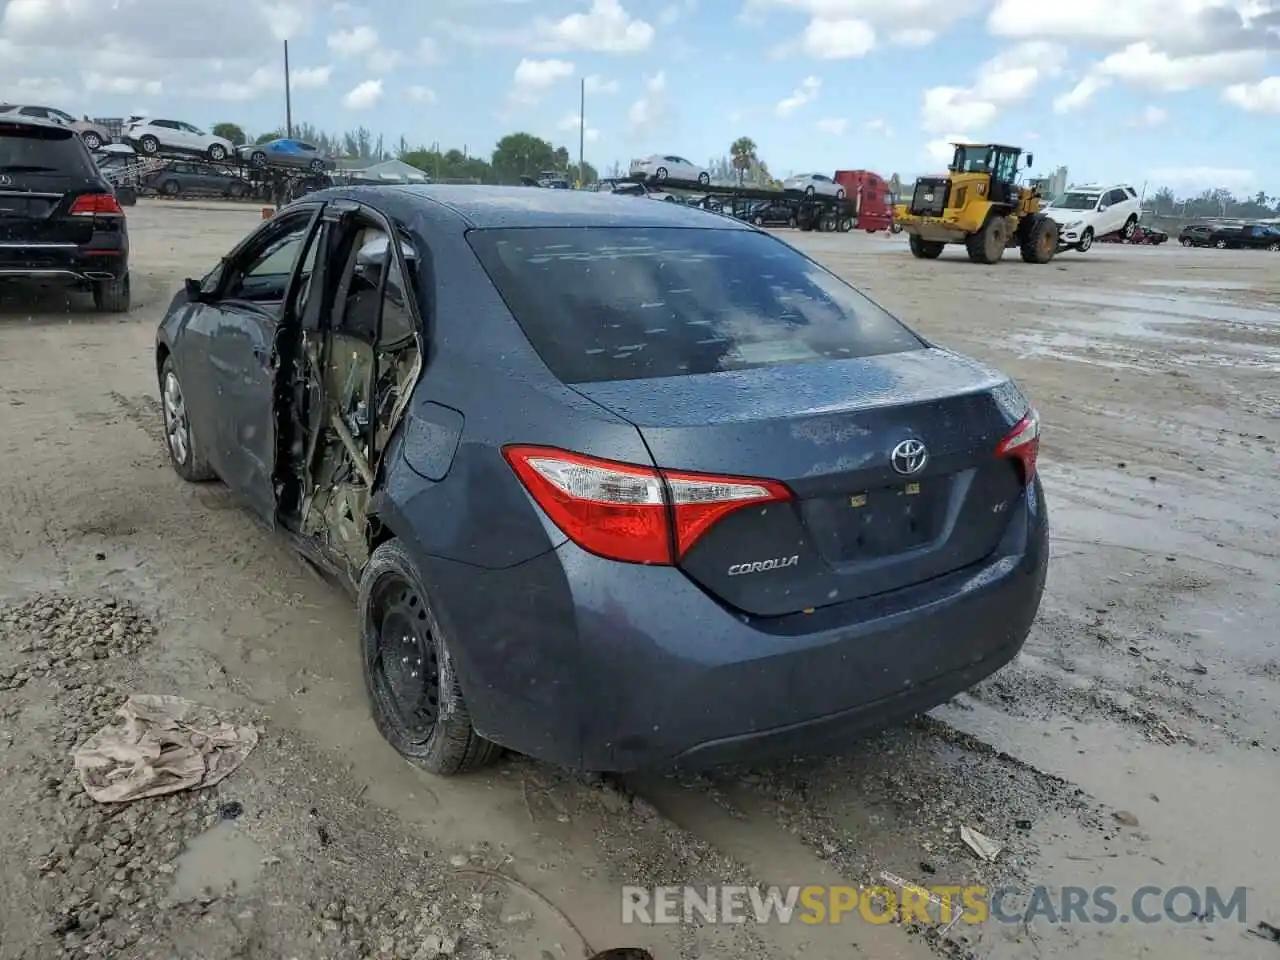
{"x":264,"y":271}
{"x":616,"y":303}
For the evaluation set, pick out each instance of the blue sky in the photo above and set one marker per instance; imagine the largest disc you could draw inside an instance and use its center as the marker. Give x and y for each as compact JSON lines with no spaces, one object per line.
{"x":1178,"y":92}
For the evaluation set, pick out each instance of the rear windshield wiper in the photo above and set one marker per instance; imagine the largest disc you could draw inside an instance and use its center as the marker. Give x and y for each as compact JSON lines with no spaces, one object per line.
{"x":27,"y":168}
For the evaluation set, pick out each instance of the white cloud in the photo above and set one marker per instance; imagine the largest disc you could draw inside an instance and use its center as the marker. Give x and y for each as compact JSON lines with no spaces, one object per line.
{"x":428,"y":52}
{"x":1007,"y":79}
{"x":100,"y":83}
{"x":573,"y":124}
{"x":675,"y":12}
{"x":913,"y":37}
{"x":899,"y":19}
{"x":835,"y":126}
{"x":800,"y":96}
{"x":652,"y":110}
{"x":599,"y":85}
{"x":878,"y":126}
{"x":1202,"y":178}
{"x":942,"y":150}
{"x":1144,"y":66}
{"x":605,"y":28}
{"x":837,"y":39}
{"x":355,"y":42}
{"x":1178,"y":26}
{"x":310,"y":78}
{"x":533,"y":78}
{"x":363,"y":95}
{"x":1151,"y":117}
{"x":39,"y":89}
{"x":420,"y":94}
{"x":1081,"y":94}
{"x":1260,"y":97}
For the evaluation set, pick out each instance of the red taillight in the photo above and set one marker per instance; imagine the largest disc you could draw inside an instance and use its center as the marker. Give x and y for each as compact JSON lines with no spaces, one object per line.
{"x":631,"y":513}
{"x":1023,"y":444}
{"x":96,"y":205}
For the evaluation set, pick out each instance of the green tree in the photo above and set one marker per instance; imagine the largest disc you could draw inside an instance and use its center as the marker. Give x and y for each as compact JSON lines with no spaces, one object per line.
{"x":230,"y":131}
{"x":523,"y":154}
{"x":743,"y":151}
{"x":586,"y":176}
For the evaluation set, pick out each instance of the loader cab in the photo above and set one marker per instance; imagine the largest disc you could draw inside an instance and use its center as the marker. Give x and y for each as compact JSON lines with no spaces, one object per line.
{"x":1001,"y":163}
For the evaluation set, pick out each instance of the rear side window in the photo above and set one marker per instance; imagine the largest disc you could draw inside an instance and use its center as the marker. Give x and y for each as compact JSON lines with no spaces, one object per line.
{"x":613,"y":303}
{"x":39,"y":149}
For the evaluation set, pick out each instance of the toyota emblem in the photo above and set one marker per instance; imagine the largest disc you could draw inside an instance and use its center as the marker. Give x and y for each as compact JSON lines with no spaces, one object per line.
{"x":909,"y":457}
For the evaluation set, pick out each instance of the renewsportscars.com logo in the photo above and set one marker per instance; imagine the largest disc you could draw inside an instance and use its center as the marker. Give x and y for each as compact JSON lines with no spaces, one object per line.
{"x":947,"y":905}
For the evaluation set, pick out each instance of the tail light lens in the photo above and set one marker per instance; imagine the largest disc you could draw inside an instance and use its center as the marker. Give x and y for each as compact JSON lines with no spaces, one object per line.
{"x":96,"y":205}
{"x":1023,"y":444}
{"x":631,"y":513}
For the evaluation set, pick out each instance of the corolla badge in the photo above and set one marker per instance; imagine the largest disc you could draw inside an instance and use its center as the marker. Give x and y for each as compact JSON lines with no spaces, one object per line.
{"x":909,"y":457}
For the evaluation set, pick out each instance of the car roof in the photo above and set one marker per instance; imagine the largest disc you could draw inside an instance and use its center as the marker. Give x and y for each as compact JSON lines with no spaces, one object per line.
{"x":36,"y":122}
{"x":488,"y":207}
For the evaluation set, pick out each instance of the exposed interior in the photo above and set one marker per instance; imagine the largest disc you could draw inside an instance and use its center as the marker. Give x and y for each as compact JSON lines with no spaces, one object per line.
{"x":348,"y":382}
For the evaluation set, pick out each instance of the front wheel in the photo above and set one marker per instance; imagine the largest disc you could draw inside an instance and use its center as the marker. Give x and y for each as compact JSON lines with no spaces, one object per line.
{"x":1274,"y":248}
{"x":259,"y":159}
{"x":91,"y":140}
{"x":704,"y":179}
{"x":925,"y":249}
{"x":317,"y":165}
{"x":1221,"y":244}
{"x":184,"y":450}
{"x":660,"y":174}
{"x":1185,"y":242}
{"x":1086,"y":240}
{"x":1130,"y":227}
{"x":409,"y":671}
{"x":217,"y":153}
{"x":150,"y":145}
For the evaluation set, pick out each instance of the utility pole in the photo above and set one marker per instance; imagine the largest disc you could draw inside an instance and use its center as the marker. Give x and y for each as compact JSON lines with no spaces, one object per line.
{"x":582,"y":133}
{"x":288,"y":98}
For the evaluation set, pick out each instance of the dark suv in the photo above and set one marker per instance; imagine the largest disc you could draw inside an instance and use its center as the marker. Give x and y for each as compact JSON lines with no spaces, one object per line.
{"x":59,"y":218}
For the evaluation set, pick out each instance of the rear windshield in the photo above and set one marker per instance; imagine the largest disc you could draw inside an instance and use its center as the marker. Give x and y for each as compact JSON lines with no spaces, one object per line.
{"x":615,"y":303}
{"x":39,"y":149}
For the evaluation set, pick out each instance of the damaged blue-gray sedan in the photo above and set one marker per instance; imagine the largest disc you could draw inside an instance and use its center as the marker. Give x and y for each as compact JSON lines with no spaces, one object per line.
{"x":617,"y":484}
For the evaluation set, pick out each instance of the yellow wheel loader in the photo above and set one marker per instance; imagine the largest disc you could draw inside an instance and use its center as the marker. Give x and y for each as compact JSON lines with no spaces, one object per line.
{"x":979,"y":204}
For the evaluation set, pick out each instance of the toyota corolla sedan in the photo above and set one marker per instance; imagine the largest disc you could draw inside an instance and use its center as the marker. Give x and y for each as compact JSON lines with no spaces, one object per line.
{"x":614,"y":485}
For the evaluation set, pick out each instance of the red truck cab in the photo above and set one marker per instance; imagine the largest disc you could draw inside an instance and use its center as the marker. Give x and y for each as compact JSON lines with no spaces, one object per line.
{"x":869,"y":194}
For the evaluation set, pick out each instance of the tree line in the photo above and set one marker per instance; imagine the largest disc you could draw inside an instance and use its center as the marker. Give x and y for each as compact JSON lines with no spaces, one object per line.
{"x":519,"y":155}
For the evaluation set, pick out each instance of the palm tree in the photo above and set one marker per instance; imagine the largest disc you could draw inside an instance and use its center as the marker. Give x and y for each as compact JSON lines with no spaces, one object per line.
{"x":743,"y":151}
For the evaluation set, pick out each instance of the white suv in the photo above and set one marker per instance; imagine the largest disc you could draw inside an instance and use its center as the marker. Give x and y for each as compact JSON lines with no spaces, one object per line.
{"x":153,"y":137}
{"x":1088,"y":211}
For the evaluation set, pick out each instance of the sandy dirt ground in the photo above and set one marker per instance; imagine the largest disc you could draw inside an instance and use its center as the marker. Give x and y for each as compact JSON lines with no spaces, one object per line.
{"x":1133,"y":743}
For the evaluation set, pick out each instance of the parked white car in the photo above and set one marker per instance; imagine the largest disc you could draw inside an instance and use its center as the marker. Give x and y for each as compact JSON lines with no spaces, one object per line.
{"x":813,"y":184}
{"x":1088,"y":211}
{"x":152,"y":137}
{"x":662,"y":167}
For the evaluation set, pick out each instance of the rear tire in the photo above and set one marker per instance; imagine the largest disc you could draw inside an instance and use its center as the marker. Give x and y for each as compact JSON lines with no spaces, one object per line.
{"x":988,"y":244}
{"x":925,"y":249}
{"x":433,"y":730}
{"x":1039,"y":240}
{"x":112,"y":296}
{"x":170,"y":188}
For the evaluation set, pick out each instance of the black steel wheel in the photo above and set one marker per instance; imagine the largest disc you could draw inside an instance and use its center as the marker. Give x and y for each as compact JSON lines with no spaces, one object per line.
{"x":413,"y":689}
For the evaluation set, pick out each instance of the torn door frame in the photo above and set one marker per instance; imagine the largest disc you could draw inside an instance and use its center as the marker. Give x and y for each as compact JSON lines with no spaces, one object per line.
{"x":341,"y":218}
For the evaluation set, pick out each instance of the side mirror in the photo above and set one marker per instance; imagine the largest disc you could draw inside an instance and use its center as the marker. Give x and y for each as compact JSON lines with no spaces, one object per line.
{"x":195,"y":291}
{"x":1030,"y":160}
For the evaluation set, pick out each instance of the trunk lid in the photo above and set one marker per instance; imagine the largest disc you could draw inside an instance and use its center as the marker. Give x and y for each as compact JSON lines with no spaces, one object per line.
{"x":858,"y":526}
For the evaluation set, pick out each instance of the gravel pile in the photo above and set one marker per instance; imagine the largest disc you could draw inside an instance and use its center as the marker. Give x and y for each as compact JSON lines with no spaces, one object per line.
{"x":331,"y":878}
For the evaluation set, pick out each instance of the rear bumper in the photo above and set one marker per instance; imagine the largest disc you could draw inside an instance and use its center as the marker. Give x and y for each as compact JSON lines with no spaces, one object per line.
{"x":63,"y":263}
{"x":613,"y":667}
